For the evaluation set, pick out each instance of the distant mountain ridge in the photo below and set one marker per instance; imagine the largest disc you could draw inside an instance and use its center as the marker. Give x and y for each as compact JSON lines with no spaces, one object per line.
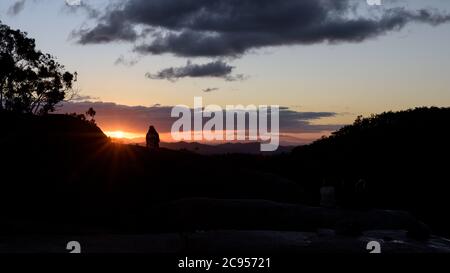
{"x":226,"y":148}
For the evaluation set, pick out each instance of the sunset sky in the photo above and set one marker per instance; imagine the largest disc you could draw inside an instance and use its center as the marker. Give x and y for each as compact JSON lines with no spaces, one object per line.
{"x":325,"y":62}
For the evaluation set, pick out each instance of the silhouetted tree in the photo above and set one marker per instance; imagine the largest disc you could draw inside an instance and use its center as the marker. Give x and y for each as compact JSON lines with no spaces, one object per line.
{"x":30,"y":81}
{"x":91,"y":113}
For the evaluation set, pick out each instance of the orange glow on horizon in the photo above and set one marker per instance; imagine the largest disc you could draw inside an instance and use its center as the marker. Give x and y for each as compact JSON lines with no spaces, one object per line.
{"x":137,"y":137}
{"x":123,"y":135}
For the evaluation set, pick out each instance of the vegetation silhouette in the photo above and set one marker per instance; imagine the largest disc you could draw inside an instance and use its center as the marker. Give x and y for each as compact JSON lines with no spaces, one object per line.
{"x":91,"y":113}
{"x":30,"y":81}
{"x":400,"y":156}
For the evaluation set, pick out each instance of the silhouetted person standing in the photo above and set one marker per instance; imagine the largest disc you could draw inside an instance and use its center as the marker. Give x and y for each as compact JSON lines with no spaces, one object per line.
{"x":152,"y":139}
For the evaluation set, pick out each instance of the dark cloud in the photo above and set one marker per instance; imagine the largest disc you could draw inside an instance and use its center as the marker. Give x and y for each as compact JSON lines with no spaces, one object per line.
{"x":69,"y":5}
{"x":301,"y":122}
{"x":105,"y":33}
{"x":210,"y":89}
{"x":217,"y":28}
{"x":122,"y":60}
{"x":215,"y":69}
{"x":82,"y":98}
{"x":16,"y":8}
{"x":78,"y":5}
{"x":112,"y":116}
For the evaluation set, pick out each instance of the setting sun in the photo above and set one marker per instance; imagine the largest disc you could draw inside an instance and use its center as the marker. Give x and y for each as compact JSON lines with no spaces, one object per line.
{"x":122,"y":135}
{"x":116,"y":134}
{"x":119,"y":134}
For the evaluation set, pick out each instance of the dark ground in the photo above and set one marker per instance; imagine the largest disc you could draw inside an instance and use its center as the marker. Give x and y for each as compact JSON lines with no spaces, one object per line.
{"x":62,"y":178}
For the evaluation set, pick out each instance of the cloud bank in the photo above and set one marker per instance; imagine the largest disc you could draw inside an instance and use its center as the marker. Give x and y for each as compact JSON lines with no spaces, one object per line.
{"x":111,"y":116}
{"x":231,"y":28}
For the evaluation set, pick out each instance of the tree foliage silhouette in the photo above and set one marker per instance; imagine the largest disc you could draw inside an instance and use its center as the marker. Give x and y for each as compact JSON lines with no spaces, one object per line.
{"x":91,"y":113}
{"x":30,"y":81}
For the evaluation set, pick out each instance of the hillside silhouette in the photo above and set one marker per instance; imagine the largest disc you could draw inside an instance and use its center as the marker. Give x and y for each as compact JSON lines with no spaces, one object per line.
{"x":61,"y":174}
{"x":61,"y":168}
{"x":401,"y":156}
